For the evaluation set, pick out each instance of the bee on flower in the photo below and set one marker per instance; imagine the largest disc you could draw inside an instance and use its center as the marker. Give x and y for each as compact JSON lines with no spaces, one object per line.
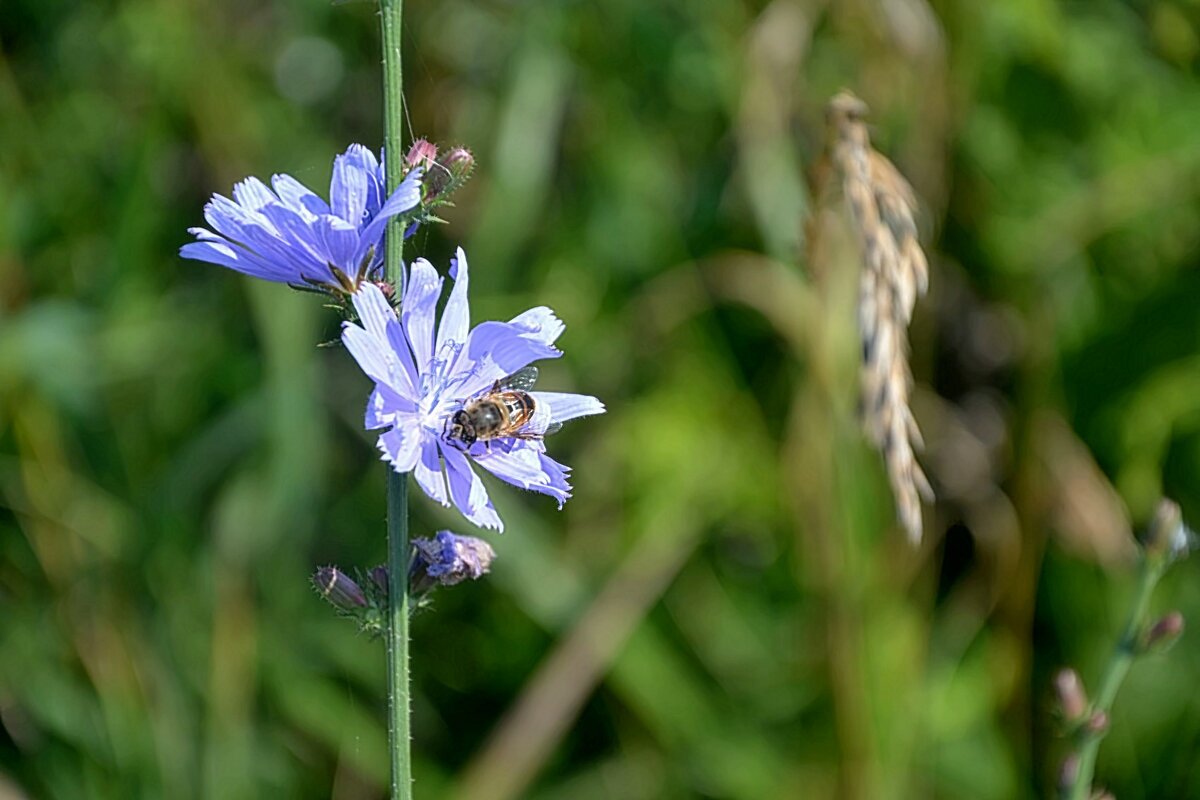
{"x":451,"y":396}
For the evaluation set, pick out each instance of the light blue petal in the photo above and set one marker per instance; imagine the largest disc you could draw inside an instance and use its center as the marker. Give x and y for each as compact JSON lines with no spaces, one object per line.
{"x":428,"y":472}
{"x":456,"y":321}
{"x":418,"y":310}
{"x":234,"y":222}
{"x":338,"y":239}
{"x":494,"y":350}
{"x":566,"y":406}
{"x":294,"y":241}
{"x":235,"y":258}
{"x":298,"y":197}
{"x":252,"y":194}
{"x":405,"y":198}
{"x":348,"y":187}
{"x":468,"y":491}
{"x":525,"y":465}
{"x":373,"y":310}
{"x":557,"y":486}
{"x":380,"y":324}
{"x":400,"y":448}
{"x":372,"y":355}
{"x":385,"y":407}
{"x":540,"y":324}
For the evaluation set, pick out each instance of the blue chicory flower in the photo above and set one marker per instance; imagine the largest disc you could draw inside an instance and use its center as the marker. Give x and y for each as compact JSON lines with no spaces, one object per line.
{"x":290,"y":235}
{"x":424,"y":372}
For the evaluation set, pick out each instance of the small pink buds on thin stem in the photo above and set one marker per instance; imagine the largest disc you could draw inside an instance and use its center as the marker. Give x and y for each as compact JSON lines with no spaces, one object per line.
{"x":1072,"y":699}
{"x":460,"y":162}
{"x":1097,"y":724}
{"x":1167,"y":539}
{"x":423,"y":153}
{"x":1164,"y":633}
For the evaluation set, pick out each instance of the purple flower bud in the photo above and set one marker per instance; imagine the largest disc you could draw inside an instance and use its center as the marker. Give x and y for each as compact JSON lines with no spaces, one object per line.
{"x":1167,"y":537}
{"x":1097,"y":725}
{"x":379,"y":577}
{"x":459,"y":162}
{"x":337,"y":587}
{"x":448,"y":559}
{"x":421,"y":154}
{"x":450,"y":172}
{"x":1072,"y":700}
{"x":1164,"y":633}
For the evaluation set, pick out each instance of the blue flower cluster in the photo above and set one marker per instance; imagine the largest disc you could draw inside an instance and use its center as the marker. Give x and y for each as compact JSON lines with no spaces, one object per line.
{"x":431,"y":374}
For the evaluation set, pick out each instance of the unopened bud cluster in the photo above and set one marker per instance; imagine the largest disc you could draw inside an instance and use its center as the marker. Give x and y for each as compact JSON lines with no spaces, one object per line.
{"x":443,"y":175}
{"x":445,"y":560}
{"x":1166,"y":540}
{"x":365,"y":606}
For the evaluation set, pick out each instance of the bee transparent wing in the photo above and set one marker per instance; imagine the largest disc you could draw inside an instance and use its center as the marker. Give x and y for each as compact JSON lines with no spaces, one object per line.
{"x":553,"y":427}
{"x":522,"y":380}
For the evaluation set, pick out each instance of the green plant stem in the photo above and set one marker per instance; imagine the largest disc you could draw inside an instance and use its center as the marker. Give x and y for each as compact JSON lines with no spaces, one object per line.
{"x":397,"y":638}
{"x":1118,"y":667}
{"x":397,"y":485}
{"x":393,"y":129}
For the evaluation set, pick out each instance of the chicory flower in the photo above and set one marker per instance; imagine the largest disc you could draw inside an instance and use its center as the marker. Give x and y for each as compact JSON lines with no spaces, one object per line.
{"x":425,"y":370}
{"x":290,"y":235}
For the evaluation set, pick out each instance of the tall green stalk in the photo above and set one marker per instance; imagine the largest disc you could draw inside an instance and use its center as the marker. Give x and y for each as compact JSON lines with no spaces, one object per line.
{"x":399,"y":735}
{"x":1127,"y":648}
{"x":397,"y":485}
{"x":1166,"y":541}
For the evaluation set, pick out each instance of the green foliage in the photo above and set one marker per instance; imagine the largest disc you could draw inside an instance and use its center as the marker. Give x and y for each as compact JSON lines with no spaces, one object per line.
{"x":725,"y":609}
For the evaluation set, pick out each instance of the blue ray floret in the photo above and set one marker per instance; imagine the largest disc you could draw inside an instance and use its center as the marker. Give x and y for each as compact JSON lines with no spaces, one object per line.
{"x":286,"y":233}
{"x":425,"y":370}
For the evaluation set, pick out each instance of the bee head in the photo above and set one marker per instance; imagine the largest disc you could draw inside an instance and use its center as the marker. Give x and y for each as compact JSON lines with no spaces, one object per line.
{"x":460,"y":428}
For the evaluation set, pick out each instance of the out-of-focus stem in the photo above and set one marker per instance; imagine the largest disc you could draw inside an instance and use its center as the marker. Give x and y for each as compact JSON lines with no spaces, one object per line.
{"x":1118,"y":667}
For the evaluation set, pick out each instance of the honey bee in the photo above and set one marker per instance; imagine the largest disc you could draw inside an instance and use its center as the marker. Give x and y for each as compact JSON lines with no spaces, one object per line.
{"x":500,"y":412}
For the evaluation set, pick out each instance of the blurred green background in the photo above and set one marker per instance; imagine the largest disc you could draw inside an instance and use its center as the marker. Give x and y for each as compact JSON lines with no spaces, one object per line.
{"x":726,"y":609}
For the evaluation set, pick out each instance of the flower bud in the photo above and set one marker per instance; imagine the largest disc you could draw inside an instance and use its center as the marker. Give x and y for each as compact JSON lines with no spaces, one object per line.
{"x":379,"y":577}
{"x":459,"y":162}
{"x":446,"y":560}
{"x":1097,"y":724}
{"x":449,"y":173}
{"x":1164,"y":633}
{"x":1167,"y":537}
{"x":337,"y":588}
{"x":1072,"y":699}
{"x":389,"y":291}
{"x":422,"y":154}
